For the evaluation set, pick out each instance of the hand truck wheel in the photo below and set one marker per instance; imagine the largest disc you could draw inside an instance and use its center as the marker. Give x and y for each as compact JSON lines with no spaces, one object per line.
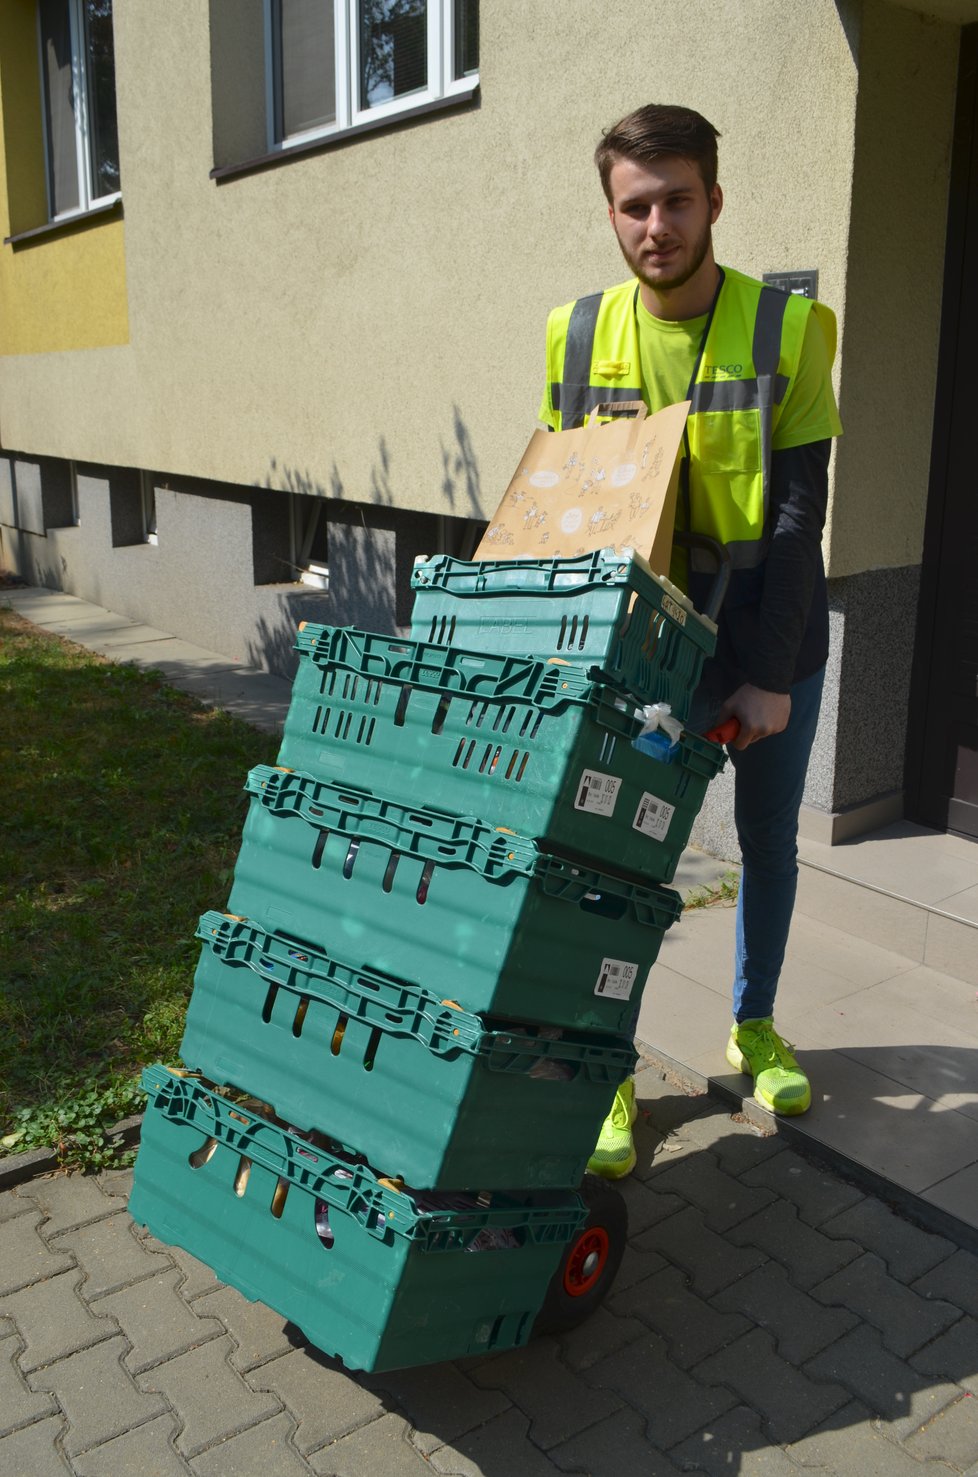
{"x":590,"y":1261}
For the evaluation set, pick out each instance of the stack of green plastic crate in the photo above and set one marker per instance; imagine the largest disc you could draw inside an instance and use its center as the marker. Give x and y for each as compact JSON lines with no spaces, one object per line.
{"x":408,"y":1024}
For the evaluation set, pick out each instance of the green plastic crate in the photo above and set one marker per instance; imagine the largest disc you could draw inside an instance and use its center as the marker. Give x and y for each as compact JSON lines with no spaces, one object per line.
{"x":378,"y":1278}
{"x":426,"y":1091}
{"x":599,"y":611}
{"x":524,"y":742}
{"x":473,"y":913}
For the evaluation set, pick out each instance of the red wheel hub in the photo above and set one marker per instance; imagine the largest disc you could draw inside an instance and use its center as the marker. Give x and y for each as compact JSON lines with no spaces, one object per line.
{"x":586,"y":1261}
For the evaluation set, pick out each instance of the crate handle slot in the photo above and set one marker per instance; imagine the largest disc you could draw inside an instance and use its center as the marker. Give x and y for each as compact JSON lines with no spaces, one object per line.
{"x":398,"y":1008}
{"x":203,"y":1154}
{"x":417,"y":832}
{"x":435,"y":667}
{"x":355,"y":1188}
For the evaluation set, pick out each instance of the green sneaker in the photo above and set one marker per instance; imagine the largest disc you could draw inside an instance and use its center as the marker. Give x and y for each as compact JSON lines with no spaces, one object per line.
{"x":614,"y":1155}
{"x":779,"y":1083}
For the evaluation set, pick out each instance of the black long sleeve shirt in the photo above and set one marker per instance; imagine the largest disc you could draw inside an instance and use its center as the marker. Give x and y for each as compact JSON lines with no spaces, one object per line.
{"x":773,"y":629}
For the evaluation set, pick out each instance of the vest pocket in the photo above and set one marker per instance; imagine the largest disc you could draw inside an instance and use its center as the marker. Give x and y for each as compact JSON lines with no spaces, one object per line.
{"x":729,"y":506}
{"x":726,"y":441}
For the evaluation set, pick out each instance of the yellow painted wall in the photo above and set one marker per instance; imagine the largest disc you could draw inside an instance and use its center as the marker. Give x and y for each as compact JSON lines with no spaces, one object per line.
{"x":23,"y":203}
{"x":58,"y":292}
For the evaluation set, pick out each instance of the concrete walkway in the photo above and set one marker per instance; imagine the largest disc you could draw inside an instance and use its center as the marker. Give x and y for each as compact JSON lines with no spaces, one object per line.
{"x":772,"y":1315}
{"x":890,"y":1045}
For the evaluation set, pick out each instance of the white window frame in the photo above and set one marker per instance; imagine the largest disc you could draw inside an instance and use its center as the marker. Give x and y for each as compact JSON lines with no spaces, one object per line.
{"x":441,"y":90}
{"x":73,"y":484}
{"x":79,"y":82}
{"x":147,"y":500}
{"x":304,"y":515}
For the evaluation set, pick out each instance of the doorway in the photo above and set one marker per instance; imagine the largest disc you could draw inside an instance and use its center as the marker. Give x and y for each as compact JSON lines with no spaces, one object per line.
{"x":942,"y":754}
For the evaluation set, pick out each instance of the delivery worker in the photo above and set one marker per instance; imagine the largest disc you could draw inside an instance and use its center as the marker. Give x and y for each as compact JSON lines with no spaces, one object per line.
{"x":756,"y":365}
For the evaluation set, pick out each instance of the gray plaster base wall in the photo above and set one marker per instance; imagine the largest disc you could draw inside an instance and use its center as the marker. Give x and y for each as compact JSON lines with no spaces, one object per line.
{"x":860,"y":744}
{"x":209,"y":577}
{"x":867,"y":689}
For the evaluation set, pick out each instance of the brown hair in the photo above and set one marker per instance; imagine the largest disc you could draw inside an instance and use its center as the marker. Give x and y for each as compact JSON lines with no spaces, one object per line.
{"x":657,"y":129}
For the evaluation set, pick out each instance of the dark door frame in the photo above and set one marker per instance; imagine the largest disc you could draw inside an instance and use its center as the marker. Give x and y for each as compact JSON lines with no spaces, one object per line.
{"x":922,"y":804}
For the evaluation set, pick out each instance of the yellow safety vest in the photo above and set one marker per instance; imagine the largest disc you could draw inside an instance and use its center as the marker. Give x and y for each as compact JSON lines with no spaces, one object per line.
{"x":748,"y":363}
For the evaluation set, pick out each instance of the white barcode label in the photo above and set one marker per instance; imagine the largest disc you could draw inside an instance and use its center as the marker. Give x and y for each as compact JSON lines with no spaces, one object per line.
{"x":616,"y":979}
{"x":653,"y":816}
{"x":597,"y":792}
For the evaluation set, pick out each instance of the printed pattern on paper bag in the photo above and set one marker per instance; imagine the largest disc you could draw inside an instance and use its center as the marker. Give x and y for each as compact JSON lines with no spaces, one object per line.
{"x":598,"y":486}
{"x":616,"y":979}
{"x":597,"y":792}
{"x":653,"y":816}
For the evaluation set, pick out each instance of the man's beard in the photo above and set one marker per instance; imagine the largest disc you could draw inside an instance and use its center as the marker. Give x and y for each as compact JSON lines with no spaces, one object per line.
{"x":662,"y":284}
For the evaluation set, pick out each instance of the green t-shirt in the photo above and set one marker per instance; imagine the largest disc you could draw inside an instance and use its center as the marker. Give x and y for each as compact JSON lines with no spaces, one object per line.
{"x":668,"y":353}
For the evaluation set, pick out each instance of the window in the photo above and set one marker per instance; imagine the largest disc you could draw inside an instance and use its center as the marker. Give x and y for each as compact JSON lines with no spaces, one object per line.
{"x":147,"y":496}
{"x":132,"y":506}
{"x":310,"y":556}
{"x":336,"y":66}
{"x":78,"y":84}
{"x":289,"y":538}
{"x":74,"y":517}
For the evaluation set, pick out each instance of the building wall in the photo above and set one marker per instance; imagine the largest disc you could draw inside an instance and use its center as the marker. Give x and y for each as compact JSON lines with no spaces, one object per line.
{"x":209,"y":577}
{"x":874,"y":543}
{"x":906,"y":65}
{"x":396,"y":286}
{"x":365,"y":322}
{"x":895,"y":271}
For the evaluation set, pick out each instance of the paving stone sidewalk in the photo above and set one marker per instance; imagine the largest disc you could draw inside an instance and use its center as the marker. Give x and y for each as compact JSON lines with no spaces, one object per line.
{"x":769,"y":1318}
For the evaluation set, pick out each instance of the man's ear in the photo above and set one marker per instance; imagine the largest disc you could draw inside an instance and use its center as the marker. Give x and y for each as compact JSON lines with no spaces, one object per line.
{"x":716,"y":203}
{"x":611,"y":216}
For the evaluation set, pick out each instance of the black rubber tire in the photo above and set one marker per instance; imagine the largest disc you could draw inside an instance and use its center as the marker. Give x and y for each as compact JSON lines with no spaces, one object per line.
{"x":603,"y":1235}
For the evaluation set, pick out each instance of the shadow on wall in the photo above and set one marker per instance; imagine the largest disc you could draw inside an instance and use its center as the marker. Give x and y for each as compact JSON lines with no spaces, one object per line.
{"x":272,"y":646}
{"x":461,"y":484}
{"x":372,"y":543}
{"x":283,"y":478}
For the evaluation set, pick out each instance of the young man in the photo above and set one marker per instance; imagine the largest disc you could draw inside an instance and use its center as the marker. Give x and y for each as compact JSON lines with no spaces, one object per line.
{"x":756,"y":365}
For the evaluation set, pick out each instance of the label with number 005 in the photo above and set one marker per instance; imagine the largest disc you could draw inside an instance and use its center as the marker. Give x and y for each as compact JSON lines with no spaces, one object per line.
{"x":616,"y":979}
{"x":597,"y":792}
{"x":653,"y":816}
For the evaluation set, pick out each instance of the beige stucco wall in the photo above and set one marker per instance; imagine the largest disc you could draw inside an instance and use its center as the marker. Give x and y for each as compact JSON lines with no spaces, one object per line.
{"x":904,"y":124}
{"x":371,"y":318}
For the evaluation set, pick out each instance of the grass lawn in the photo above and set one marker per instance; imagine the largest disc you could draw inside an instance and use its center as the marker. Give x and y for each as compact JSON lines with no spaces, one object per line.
{"x":121,"y":819}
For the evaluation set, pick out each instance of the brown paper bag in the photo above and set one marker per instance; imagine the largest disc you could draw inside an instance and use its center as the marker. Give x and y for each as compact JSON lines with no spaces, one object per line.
{"x":604,"y":485}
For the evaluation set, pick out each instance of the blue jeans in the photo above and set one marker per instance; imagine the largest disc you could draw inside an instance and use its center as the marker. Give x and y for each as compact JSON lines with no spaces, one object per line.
{"x":769,"y":783}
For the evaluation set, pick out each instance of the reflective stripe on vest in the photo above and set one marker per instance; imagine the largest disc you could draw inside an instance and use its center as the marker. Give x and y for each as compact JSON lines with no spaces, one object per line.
{"x":574,"y":397}
{"x":765,"y":352}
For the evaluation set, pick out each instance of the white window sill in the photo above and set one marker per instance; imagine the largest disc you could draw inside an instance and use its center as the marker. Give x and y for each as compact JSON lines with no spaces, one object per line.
{"x":316,"y":579}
